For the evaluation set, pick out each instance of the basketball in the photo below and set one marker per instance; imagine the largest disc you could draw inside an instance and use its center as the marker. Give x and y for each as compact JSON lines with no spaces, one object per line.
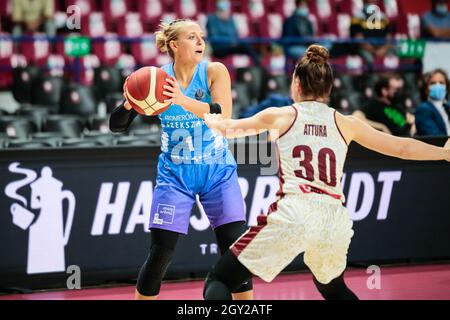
{"x":144,"y":91}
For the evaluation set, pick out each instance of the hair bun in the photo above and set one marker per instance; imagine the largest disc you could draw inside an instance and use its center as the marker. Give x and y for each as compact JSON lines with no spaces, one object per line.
{"x":317,"y":54}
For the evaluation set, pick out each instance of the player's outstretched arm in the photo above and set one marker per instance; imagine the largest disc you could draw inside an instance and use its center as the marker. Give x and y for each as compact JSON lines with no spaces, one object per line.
{"x":403,"y":148}
{"x":268,"y":119}
{"x":121,"y":117}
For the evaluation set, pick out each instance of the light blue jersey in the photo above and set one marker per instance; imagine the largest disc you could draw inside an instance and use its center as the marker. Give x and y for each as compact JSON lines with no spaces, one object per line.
{"x":185,"y":137}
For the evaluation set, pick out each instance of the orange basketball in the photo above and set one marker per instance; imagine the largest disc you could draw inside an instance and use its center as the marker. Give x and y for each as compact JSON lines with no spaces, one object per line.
{"x":144,"y":91}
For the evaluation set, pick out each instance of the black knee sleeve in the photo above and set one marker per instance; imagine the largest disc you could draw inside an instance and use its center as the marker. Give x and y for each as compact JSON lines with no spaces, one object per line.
{"x":228,"y":276}
{"x":335,"y":290}
{"x":158,"y":260}
{"x":226,"y":235}
{"x":215,"y":289}
{"x":153,"y":270}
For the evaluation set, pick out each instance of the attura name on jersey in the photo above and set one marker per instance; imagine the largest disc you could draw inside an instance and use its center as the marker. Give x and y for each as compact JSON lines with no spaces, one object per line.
{"x":315,"y":130}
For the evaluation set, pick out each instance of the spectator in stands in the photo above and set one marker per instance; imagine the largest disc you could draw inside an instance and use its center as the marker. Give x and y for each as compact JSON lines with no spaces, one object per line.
{"x":31,"y":16}
{"x":386,"y":112}
{"x":433,"y":115}
{"x":223,"y":34}
{"x":371,"y":23}
{"x":436,"y":23}
{"x":297,"y":26}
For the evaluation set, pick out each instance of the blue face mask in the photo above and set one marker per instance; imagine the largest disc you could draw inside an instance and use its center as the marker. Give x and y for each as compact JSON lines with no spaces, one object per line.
{"x":442,"y":9}
{"x":302,"y":11}
{"x":223,"y":6}
{"x":438,"y":92}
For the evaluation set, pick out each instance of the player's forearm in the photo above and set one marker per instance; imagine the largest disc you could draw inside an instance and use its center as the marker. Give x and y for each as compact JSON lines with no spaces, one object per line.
{"x":196,"y":107}
{"x":231,"y":128}
{"x":417,"y":150}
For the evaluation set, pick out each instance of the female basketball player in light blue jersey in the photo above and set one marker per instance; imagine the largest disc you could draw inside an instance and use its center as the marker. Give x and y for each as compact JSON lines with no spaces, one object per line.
{"x":194,"y":160}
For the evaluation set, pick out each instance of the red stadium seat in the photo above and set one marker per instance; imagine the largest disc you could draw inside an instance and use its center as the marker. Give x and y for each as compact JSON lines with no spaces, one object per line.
{"x":86,"y":72}
{"x":271,"y":25}
{"x":8,"y":60}
{"x":113,"y":10}
{"x":108,"y":50}
{"x":186,"y":8}
{"x":150,"y":10}
{"x":254,"y":9}
{"x":93,"y":25}
{"x":37,"y":51}
{"x":56,"y":64}
{"x":145,"y":52}
{"x":86,"y":6}
{"x":130,"y":25}
{"x":242,"y":24}
{"x":5,"y":8}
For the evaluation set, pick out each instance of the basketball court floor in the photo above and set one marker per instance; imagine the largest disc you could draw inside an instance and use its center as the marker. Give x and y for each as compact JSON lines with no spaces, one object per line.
{"x":430,"y":282}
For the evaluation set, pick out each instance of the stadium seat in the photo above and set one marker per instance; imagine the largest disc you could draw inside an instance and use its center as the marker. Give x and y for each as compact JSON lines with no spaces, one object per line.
{"x":37,"y":114}
{"x":68,"y":125}
{"x":145,"y":51}
{"x":47,"y":91}
{"x":6,"y":53}
{"x":186,"y":8}
{"x":51,"y":138}
{"x":86,"y":6}
{"x":94,"y":25}
{"x":277,"y":84}
{"x":254,"y":77}
{"x":80,"y":143}
{"x":23,"y":80}
{"x":150,"y":10}
{"x":108,"y":49}
{"x":105,"y":139}
{"x":134,"y":141}
{"x":78,"y":100}
{"x":107,"y":80}
{"x":99,"y":123}
{"x":152,"y":134}
{"x":27,"y":144}
{"x":84,"y":72}
{"x":114,"y":10}
{"x":130,"y":25}
{"x":113,"y":100}
{"x":36,"y":51}
{"x":17,"y":126}
{"x":271,"y":25}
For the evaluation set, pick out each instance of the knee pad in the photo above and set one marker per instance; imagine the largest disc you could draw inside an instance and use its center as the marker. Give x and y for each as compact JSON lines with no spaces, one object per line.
{"x":153,"y":270}
{"x":215,"y":289}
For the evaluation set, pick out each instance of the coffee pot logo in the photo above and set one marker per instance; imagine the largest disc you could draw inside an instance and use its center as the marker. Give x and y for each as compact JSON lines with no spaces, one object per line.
{"x":49,"y":230}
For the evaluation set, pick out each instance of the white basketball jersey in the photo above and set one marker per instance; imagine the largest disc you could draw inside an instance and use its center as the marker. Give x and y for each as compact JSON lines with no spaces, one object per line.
{"x":312,"y":152}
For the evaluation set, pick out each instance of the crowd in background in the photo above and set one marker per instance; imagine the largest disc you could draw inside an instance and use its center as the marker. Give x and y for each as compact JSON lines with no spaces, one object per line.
{"x":384,"y":111}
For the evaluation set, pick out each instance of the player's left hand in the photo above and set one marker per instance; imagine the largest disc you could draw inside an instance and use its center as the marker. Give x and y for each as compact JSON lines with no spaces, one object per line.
{"x":174,"y":92}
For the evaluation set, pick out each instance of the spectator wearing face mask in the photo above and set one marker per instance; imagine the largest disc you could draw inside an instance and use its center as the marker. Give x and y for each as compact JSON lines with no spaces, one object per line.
{"x":223,"y":35}
{"x":386,"y":112}
{"x":297,"y":26}
{"x":436,"y":23}
{"x":433,"y":115}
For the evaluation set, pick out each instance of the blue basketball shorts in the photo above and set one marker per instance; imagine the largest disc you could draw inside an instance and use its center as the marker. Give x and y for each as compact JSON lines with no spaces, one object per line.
{"x":177,"y":186}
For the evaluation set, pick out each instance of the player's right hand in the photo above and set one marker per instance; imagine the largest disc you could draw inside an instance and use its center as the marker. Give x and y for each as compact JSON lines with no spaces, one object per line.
{"x":126,"y":105}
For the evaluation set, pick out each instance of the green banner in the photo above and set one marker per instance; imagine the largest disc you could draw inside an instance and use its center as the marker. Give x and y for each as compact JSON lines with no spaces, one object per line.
{"x":412,"y":48}
{"x":77,"y":46}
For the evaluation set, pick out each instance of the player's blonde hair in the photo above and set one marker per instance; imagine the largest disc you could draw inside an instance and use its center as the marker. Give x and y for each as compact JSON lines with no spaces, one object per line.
{"x":315,"y":73}
{"x":169,"y":32}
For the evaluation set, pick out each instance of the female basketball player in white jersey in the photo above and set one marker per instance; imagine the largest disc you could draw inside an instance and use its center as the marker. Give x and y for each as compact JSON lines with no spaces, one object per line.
{"x":309,"y":215}
{"x":194,"y":160}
